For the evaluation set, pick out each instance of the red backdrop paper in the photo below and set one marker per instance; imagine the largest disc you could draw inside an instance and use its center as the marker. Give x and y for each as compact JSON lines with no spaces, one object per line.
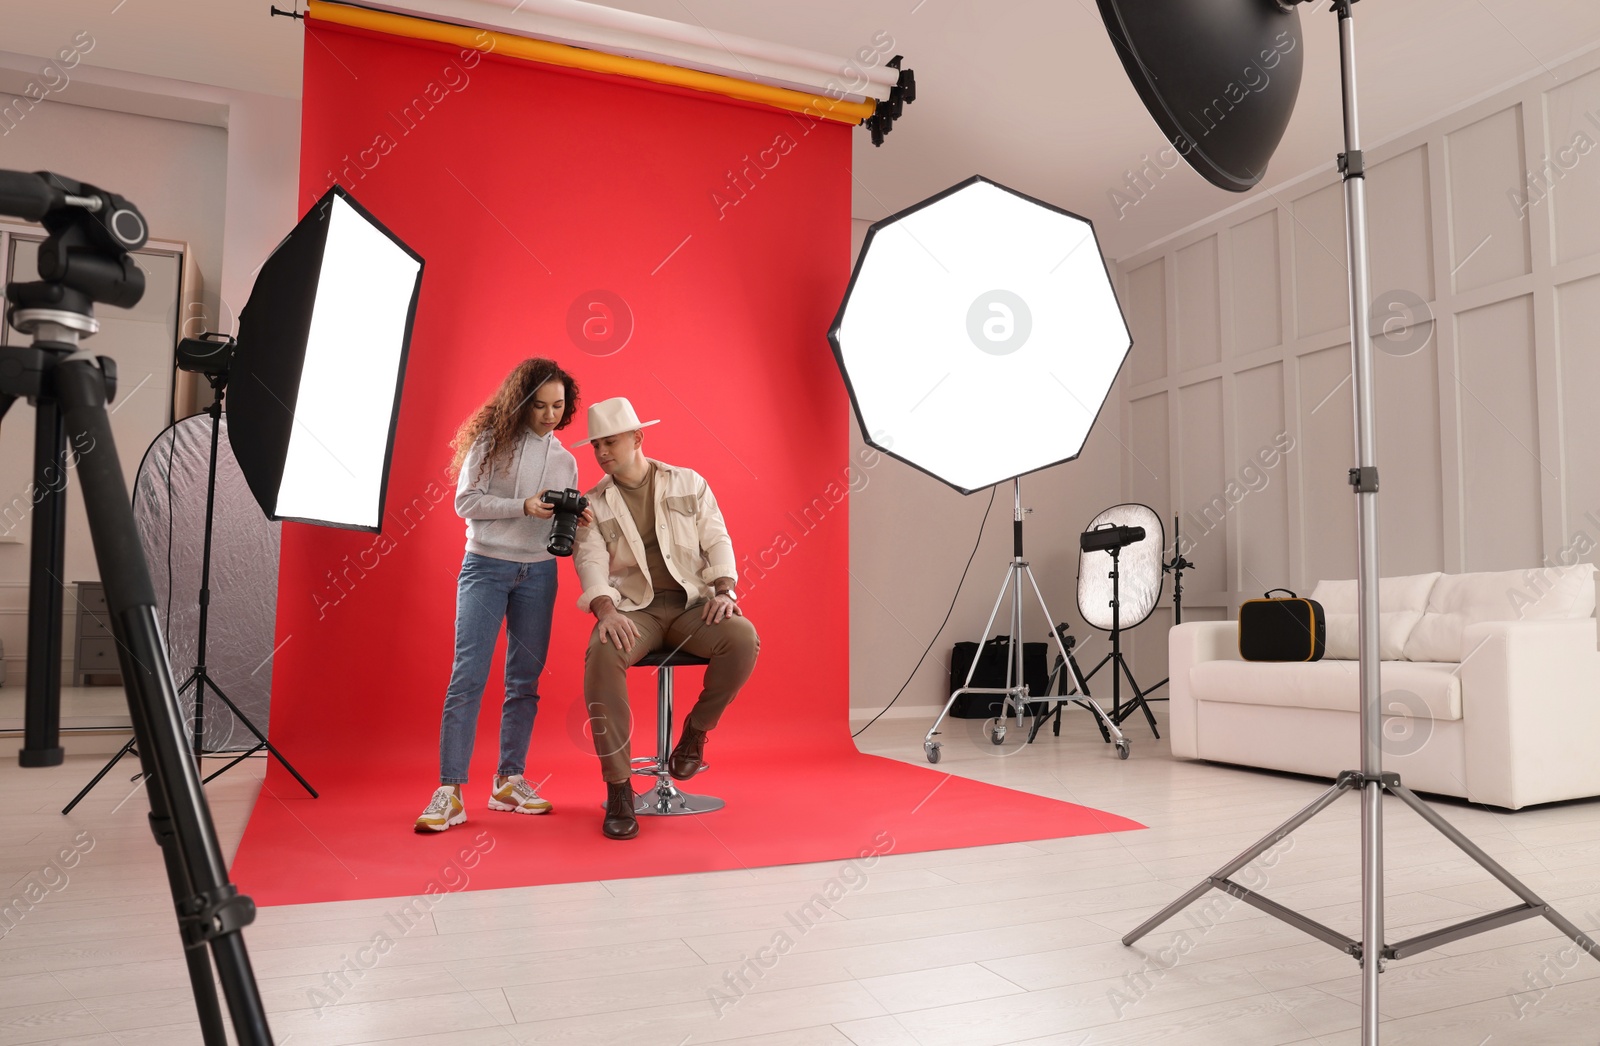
{"x":715,"y":236}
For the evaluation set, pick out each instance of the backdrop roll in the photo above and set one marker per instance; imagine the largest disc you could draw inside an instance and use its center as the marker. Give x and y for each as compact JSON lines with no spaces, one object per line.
{"x":676,"y":248}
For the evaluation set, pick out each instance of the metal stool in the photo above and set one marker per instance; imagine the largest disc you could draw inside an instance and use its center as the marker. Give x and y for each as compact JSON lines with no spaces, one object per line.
{"x":665,"y":799}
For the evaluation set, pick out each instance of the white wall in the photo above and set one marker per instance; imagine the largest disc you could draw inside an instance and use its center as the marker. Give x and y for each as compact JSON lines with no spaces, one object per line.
{"x":1487,"y":374}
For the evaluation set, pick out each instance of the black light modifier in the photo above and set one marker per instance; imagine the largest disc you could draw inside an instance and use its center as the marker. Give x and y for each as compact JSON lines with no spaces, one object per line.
{"x":1220,"y":77}
{"x":322,"y":355}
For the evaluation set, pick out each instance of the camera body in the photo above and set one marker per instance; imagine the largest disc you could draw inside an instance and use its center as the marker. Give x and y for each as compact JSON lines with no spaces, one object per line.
{"x":568,"y":505}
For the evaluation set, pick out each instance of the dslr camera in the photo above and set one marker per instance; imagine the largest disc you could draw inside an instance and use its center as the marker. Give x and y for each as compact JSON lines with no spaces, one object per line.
{"x":569,"y":505}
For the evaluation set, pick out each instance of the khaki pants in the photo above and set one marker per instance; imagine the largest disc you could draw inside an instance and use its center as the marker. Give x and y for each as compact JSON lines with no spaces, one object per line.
{"x":667,"y":623}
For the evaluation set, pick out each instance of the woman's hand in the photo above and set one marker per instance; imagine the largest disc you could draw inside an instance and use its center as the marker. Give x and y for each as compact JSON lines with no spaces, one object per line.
{"x":587,"y":517}
{"x":536,"y":507}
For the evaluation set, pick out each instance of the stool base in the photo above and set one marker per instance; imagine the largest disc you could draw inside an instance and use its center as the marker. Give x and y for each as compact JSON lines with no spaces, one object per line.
{"x":665,"y":800}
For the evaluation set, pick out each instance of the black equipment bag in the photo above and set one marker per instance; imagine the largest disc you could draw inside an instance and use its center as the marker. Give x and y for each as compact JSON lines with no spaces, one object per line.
{"x":1292,"y":629}
{"x":992,"y":673}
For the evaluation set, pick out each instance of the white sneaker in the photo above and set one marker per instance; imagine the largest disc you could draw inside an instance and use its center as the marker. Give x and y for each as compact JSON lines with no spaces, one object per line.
{"x":444,"y":809}
{"x":516,"y":795}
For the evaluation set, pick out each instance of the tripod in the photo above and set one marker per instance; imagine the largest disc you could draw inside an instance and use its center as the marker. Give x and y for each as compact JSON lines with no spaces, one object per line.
{"x":1174,"y":566}
{"x":1371,"y":781}
{"x":199,"y":678}
{"x":86,"y":260}
{"x":1016,"y":691}
{"x":1061,"y":686}
{"x":1119,"y":662}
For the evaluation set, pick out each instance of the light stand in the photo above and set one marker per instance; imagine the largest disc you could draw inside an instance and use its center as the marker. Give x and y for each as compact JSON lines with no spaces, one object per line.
{"x":1118,"y":661}
{"x":86,"y":260}
{"x":1370,"y":951}
{"x":199,"y":678}
{"x":1176,"y":566}
{"x":1016,"y":690}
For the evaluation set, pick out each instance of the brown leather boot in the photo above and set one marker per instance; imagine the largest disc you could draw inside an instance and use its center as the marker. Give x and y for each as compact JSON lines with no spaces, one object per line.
{"x":686,"y":757}
{"x":620,"y":823}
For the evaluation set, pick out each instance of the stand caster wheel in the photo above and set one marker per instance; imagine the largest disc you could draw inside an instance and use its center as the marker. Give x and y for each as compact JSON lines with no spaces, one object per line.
{"x":997,"y":734}
{"x":1124,"y":746}
{"x":932,"y":748}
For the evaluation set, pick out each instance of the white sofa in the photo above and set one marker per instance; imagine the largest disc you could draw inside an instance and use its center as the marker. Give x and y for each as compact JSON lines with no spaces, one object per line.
{"x":1491,"y":688}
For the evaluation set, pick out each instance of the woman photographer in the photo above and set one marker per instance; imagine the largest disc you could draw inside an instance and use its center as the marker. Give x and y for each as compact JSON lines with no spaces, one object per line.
{"x":506,"y":458}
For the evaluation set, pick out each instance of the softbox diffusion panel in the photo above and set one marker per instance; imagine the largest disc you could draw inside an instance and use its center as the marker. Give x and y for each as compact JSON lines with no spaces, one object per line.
{"x":322,"y":350}
{"x":1008,"y":294}
{"x":169,"y":508}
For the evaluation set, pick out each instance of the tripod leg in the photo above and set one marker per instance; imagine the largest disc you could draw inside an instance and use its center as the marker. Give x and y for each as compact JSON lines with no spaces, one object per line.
{"x":1138,"y":699}
{"x":124,"y":750}
{"x":1490,"y":865}
{"x":235,"y":762}
{"x":195,"y":957}
{"x":928,"y":741}
{"x":262,"y":738}
{"x":1108,"y":728}
{"x":42,"y":715}
{"x":1267,"y":842}
{"x":210,"y":909}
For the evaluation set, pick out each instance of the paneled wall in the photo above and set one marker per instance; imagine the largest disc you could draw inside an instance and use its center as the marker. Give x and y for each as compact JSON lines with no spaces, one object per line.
{"x":1485,"y":249}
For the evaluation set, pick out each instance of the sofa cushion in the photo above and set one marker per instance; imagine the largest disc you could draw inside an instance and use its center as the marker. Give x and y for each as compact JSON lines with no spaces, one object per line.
{"x":1394,"y":628}
{"x":1394,"y":593}
{"x":1416,"y":689}
{"x":1461,"y":600}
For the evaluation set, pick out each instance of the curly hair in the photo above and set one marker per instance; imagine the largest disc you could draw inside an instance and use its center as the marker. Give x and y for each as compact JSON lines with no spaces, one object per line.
{"x":505,"y":413}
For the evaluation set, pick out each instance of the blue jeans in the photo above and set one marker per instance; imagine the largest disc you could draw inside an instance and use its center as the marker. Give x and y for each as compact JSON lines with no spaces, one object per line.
{"x":490,"y":591}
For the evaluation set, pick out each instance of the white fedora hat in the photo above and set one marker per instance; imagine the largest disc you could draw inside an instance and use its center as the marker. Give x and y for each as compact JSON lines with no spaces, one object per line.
{"x":609,"y":417}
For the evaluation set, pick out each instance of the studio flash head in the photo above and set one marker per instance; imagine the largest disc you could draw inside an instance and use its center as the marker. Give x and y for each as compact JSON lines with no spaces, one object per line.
{"x":1108,"y":537}
{"x":210,"y":354}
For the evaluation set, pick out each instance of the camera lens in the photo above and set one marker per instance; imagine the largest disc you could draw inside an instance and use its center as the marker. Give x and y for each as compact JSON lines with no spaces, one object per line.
{"x":568,"y":505}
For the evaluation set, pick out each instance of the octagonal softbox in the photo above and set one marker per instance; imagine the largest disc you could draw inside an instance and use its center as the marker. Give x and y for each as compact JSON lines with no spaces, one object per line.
{"x":980,"y":335}
{"x":1140,"y":578}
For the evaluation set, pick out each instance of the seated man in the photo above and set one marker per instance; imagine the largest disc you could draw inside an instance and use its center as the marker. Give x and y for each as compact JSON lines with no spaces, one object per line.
{"x":657,"y":571}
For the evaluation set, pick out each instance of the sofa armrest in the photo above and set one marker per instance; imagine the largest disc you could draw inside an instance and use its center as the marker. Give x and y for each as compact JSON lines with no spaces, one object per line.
{"x":1530,"y":694}
{"x":1189,"y":644}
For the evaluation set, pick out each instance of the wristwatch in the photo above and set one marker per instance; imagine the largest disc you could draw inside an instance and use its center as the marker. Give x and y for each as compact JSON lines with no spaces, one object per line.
{"x":730,"y":593}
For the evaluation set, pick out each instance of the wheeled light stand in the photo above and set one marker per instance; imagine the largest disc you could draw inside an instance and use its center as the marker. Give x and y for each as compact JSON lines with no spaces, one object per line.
{"x":86,"y":258}
{"x":1015,"y":691}
{"x":1370,"y":951}
{"x":199,"y":678}
{"x":1119,"y":661}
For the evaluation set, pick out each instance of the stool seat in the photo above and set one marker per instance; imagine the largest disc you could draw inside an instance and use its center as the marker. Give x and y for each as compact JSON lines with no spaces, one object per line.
{"x":670,"y":659}
{"x":665,"y":799}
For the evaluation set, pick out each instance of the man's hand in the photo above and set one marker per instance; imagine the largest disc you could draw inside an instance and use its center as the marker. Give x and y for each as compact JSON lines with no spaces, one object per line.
{"x":536,"y":507}
{"x":719,"y":609}
{"x":614,"y":626}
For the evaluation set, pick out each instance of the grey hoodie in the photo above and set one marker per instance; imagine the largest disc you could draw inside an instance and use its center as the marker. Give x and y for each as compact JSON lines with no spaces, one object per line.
{"x":492,"y":503}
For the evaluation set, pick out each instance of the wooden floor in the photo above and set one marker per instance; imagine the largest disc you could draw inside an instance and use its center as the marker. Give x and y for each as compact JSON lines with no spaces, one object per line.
{"x":980,"y":947}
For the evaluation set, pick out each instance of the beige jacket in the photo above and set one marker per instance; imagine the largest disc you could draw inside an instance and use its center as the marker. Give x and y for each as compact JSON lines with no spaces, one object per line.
{"x":694,"y":542}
